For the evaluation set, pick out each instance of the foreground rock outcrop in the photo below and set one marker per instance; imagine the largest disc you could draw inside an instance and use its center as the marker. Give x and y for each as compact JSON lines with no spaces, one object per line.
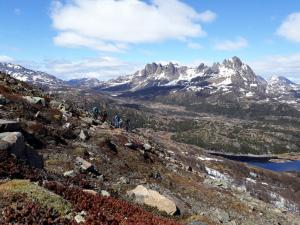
{"x":152,"y":198}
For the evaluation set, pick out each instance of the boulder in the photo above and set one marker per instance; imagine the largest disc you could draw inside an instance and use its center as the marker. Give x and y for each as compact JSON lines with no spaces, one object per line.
{"x":147,"y":147}
{"x":124,"y":180}
{"x":152,"y":198}
{"x":105,"y":193}
{"x":14,"y":141}
{"x":9,"y":125}
{"x":83,"y":135}
{"x":35,"y":100}
{"x":83,"y":164}
{"x":79,"y":218}
{"x":69,"y":173}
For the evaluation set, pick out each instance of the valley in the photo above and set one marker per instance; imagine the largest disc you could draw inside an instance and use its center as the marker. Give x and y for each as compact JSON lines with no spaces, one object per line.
{"x":167,"y":154}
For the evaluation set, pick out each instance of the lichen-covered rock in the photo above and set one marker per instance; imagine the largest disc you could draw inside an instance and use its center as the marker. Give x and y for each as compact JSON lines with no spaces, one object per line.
{"x":142,"y":195}
{"x":83,"y":164}
{"x":14,"y":141}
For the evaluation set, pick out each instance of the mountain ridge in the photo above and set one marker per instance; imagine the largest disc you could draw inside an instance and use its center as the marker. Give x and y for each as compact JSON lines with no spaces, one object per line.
{"x":230,"y":76}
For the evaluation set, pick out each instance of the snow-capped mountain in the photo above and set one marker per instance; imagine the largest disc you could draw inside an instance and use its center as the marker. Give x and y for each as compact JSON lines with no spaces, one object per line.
{"x":280,"y":85}
{"x":37,"y":78}
{"x":232,"y":76}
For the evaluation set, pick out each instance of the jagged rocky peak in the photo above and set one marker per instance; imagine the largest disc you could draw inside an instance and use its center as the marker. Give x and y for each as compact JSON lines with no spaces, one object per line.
{"x":201,"y":68}
{"x":170,"y":69}
{"x":151,"y":68}
{"x":234,"y":63}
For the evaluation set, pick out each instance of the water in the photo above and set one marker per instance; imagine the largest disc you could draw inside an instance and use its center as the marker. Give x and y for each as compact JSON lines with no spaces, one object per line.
{"x":280,"y":167}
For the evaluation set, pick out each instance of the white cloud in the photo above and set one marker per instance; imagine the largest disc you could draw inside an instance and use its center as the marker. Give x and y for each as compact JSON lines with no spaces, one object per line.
{"x":231,"y":45}
{"x":111,"y":24}
{"x":103,"y":68}
{"x":290,"y":27}
{"x":283,"y":65}
{"x":194,"y":45}
{"x":69,"y":39}
{"x":5,"y":58}
{"x":208,"y":16}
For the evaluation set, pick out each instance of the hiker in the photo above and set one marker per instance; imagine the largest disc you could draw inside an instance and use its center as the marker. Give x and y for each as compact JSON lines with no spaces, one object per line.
{"x":95,"y":112}
{"x":127,"y":124}
{"x":117,"y":119}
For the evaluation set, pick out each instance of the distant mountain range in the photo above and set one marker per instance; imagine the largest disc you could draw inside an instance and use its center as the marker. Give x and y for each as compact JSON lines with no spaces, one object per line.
{"x":230,"y":76}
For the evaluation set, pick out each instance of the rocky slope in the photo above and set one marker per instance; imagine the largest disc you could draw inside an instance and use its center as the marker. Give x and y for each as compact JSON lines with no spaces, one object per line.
{"x":89,"y":171}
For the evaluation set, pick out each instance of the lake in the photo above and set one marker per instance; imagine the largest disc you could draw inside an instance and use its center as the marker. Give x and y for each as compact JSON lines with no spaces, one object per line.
{"x":279,"y":167}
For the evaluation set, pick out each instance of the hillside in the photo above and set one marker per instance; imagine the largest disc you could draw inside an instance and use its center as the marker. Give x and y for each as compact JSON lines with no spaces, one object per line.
{"x":69,"y":169}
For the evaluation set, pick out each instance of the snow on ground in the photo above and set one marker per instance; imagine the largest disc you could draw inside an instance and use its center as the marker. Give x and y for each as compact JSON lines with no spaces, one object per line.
{"x":209,"y":159}
{"x":215,"y":174}
{"x":249,"y":94}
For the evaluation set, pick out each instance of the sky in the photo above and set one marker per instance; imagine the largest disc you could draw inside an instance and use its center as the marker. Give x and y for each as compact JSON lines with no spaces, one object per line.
{"x":108,"y":38}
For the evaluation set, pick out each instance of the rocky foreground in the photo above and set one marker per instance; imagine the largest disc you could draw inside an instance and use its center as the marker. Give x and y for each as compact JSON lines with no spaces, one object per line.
{"x":58,"y":166}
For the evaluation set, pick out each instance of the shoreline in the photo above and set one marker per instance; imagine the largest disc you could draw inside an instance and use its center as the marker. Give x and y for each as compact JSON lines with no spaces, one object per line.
{"x":276,"y":158}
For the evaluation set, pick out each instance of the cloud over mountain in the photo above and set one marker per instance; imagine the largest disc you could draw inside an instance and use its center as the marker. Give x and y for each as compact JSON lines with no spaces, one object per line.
{"x":109,"y":25}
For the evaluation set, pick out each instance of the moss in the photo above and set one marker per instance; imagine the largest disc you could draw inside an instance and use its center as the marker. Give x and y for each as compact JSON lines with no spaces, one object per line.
{"x":37,"y":193}
{"x":80,"y":151}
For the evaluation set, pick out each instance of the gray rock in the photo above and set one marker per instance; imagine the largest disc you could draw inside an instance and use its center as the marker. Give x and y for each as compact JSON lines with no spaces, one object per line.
{"x":9,"y":125}
{"x":70,"y":173}
{"x":66,"y":125}
{"x":124,"y":180}
{"x":147,"y":147}
{"x":142,"y":195}
{"x":35,"y":100}
{"x":100,"y":178}
{"x":15,"y":141}
{"x":79,"y":219}
{"x":83,"y":164}
{"x":105,"y":193}
{"x":83,"y":135}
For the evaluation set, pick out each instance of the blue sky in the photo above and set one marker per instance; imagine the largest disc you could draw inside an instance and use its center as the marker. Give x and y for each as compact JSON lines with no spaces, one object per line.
{"x":108,"y":38}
